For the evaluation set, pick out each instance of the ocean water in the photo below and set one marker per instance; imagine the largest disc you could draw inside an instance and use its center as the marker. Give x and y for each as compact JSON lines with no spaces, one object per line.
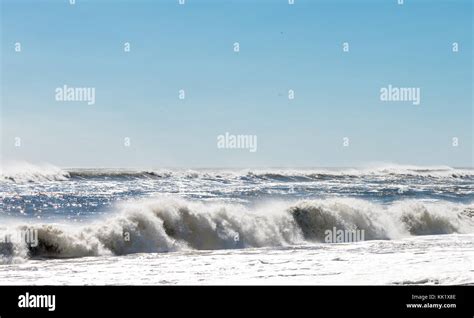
{"x":234,"y":226}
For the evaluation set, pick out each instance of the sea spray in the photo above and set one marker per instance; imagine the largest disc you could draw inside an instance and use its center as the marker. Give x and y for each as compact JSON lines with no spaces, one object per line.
{"x":169,"y":224}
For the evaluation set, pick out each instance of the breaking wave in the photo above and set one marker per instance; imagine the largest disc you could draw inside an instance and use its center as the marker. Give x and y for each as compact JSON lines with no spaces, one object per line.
{"x":165,"y":225}
{"x":22,"y":172}
{"x":26,"y":172}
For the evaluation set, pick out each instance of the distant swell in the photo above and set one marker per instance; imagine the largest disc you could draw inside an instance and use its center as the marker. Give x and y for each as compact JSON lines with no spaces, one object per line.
{"x":165,"y":225}
{"x":25,"y":172}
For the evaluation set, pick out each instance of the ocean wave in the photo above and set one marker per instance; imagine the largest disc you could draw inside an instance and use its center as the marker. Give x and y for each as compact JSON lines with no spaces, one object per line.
{"x":166,"y":225}
{"x":374,"y":170}
{"x":26,"y":172}
{"x":23,"y":172}
{"x":117,"y":173}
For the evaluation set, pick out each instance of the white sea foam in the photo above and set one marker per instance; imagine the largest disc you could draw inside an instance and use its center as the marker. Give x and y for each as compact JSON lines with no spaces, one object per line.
{"x":164,"y":225}
{"x":21,"y":172}
{"x":434,"y":259}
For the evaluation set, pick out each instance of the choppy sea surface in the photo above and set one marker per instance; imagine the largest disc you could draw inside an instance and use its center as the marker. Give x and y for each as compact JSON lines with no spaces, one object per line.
{"x":234,"y":226}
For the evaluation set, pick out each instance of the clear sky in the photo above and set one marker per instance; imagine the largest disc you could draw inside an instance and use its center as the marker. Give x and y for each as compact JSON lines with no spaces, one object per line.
{"x":282,"y":47}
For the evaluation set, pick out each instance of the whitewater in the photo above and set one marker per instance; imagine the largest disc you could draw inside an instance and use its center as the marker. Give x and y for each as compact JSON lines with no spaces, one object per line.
{"x":234,"y":226}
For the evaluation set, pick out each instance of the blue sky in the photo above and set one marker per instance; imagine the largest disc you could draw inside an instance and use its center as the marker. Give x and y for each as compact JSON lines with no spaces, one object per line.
{"x":282,"y":47}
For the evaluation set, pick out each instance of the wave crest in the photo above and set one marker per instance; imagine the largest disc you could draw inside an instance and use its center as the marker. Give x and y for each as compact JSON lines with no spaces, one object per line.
{"x":21,"y":172}
{"x":166,"y":225}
